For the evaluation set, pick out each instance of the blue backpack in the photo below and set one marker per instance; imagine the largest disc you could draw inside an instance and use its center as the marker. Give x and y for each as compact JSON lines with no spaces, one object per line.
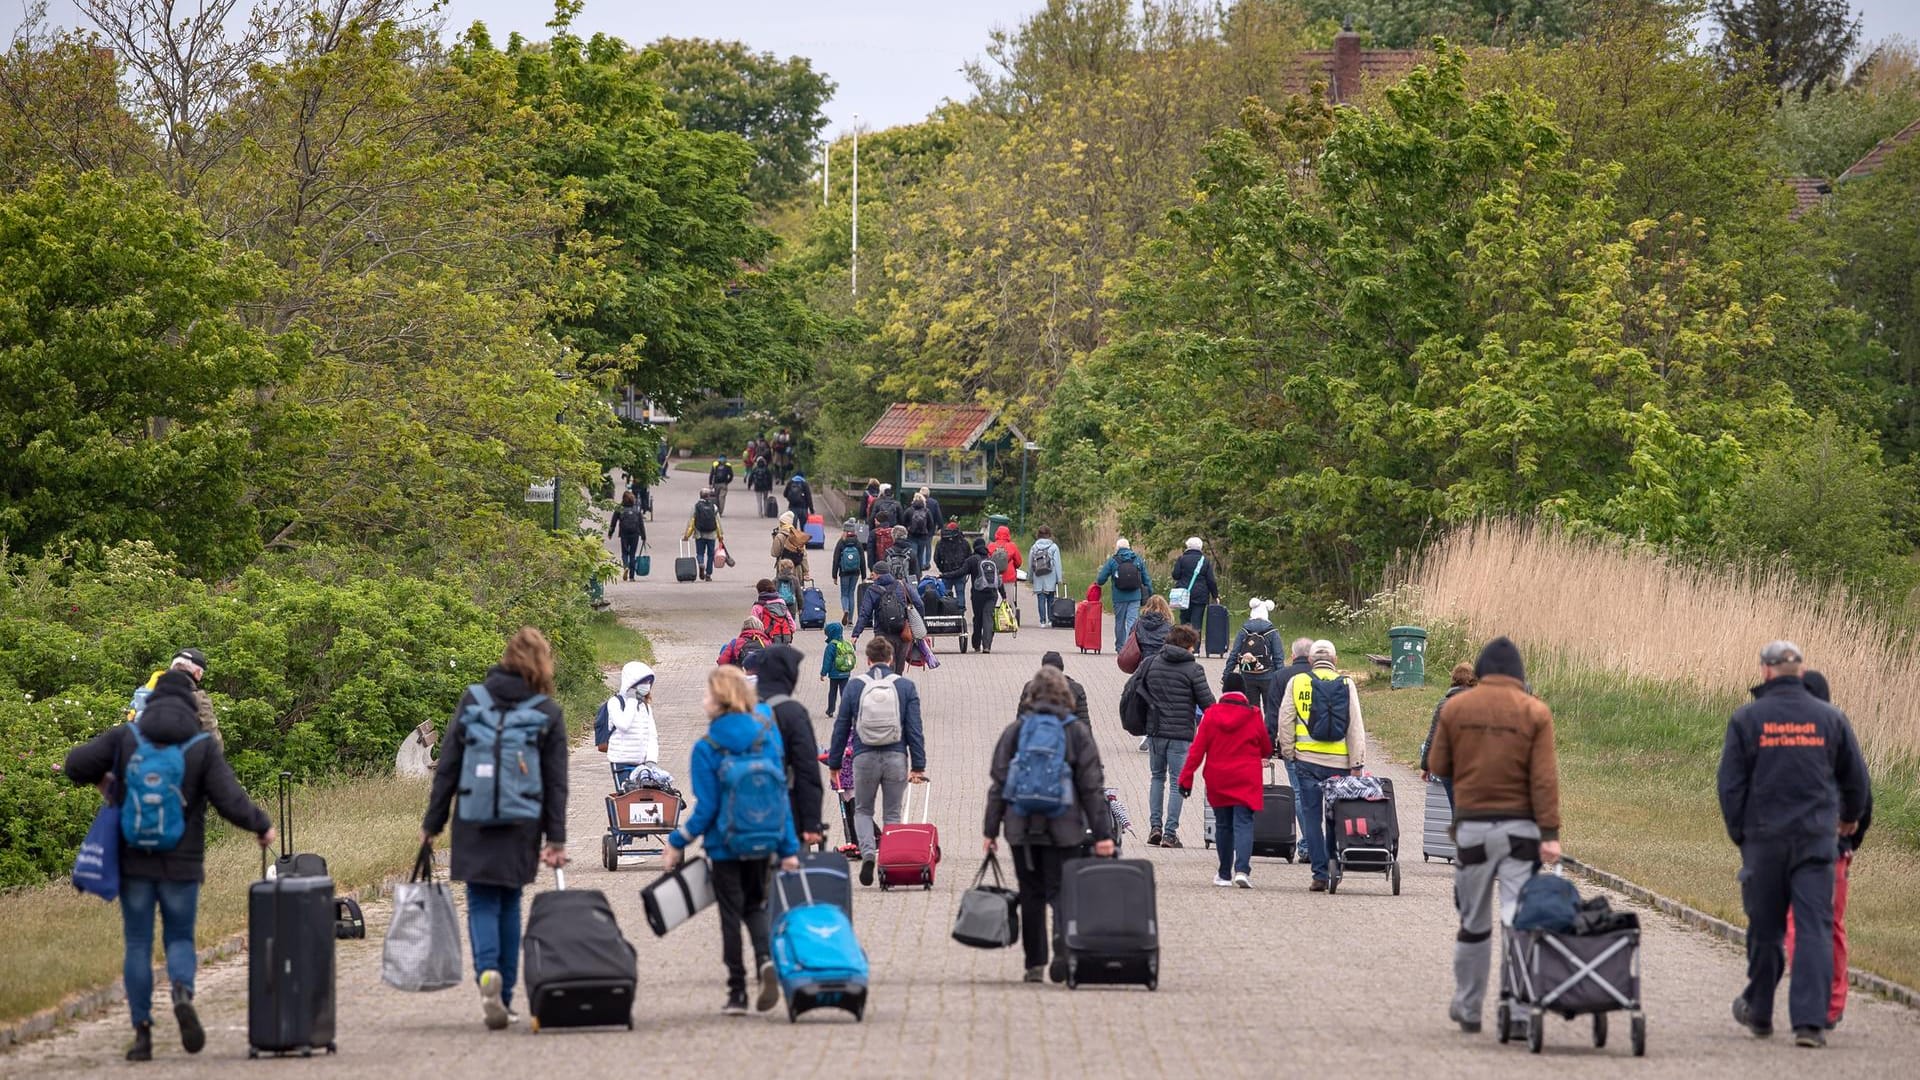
{"x":851,"y":559}
{"x":753,"y":796}
{"x":1040,"y":780}
{"x":1547,"y":902}
{"x":500,"y":779}
{"x":153,"y":812}
{"x":1327,"y":716}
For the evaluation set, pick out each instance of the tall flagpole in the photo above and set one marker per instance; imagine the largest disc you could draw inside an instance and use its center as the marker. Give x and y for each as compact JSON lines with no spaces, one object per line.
{"x":826,"y":169}
{"x":856,"y":204}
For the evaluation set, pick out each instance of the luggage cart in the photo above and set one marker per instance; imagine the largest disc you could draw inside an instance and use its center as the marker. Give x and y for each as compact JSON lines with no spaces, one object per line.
{"x":1363,"y":836}
{"x":1573,"y":975}
{"x":638,"y":820}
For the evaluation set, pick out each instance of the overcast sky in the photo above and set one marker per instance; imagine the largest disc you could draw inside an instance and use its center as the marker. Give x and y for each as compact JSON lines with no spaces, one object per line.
{"x":894,"y":60}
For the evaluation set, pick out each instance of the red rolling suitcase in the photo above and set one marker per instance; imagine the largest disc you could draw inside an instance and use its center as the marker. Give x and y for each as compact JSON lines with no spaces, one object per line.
{"x":1086,"y":621}
{"x":910,"y":850}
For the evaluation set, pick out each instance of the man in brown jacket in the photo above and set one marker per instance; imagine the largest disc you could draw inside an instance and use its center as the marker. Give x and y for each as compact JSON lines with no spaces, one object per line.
{"x":1495,"y":742}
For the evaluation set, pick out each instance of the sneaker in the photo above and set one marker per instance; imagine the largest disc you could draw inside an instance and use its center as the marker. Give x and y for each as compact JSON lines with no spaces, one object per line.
{"x":1811,"y":1038}
{"x":1743,"y":1015}
{"x":1143,"y":745}
{"x":1035,"y":975}
{"x":492,"y":1008}
{"x":141,"y":1048}
{"x":513,"y":1017}
{"x":193,"y":1037}
{"x":866,"y":871}
{"x":1319,"y":885}
{"x":1168,"y":839}
{"x":1243,"y":881}
{"x":1153,"y":838}
{"x":1057,"y":971}
{"x":1470,"y":1027}
{"x":736,"y":1004}
{"x":769,"y":988}
{"x":1222,"y":883}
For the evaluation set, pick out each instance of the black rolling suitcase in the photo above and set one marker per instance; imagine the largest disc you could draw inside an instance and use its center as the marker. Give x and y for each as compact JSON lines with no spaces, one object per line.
{"x":828,"y":881}
{"x":1060,"y":617}
{"x":685,"y":566}
{"x":770,"y":507}
{"x":290,"y":942}
{"x":1218,"y":633}
{"x":579,"y":968}
{"x":1273,"y":824}
{"x":1112,"y":926}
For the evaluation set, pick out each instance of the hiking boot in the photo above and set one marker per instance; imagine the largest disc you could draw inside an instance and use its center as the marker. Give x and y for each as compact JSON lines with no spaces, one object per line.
{"x":1319,"y":885}
{"x":1168,"y":839}
{"x":1242,"y":880}
{"x":866,"y":871}
{"x":1743,"y":1015}
{"x":141,"y":1048}
{"x":1153,"y":838}
{"x":1222,"y":883}
{"x":1035,"y":975}
{"x":769,"y":987}
{"x":193,"y":1037}
{"x":736,"y":1004}
{"x":492,"y":1009}
{"x":1811,"y":1038}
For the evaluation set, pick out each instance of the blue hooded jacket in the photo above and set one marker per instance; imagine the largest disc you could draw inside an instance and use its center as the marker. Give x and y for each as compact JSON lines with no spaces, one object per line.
{"x":834,"y":633}
{"x":736,"y":732}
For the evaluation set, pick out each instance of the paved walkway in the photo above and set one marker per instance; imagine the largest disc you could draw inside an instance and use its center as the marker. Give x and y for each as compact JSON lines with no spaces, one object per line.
{"x":1276,"y":981}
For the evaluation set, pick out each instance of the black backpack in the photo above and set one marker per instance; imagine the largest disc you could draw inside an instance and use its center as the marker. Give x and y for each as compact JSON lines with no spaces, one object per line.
{"x":890,"y":611}
{"x":1136,"y":712}
{"x":987,"y":578}
{"x":631,"y":518}
{"x":919,"y":522}
{"x":1126,"y":575}
{"x":887,"y":512}
{"x":1256,"y":656}
{"x":706,"y":517}
{"x":900,"y":561}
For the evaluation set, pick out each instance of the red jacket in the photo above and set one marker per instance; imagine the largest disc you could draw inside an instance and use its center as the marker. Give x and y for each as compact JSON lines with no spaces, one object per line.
{"x":1234,"y":743}
{"x":1003,"y":541}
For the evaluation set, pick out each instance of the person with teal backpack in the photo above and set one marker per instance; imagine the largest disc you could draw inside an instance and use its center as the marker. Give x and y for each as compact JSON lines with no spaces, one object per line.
{"x":505,"y":758}
{"x":743,"y":820}
{"x":166,"y":770}
{"x":836,"y":665}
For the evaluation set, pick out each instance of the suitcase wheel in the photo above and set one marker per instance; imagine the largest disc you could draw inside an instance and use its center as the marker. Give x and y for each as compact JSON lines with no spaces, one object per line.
{"x":1153,"y":982}
{"x":533,"y":1024}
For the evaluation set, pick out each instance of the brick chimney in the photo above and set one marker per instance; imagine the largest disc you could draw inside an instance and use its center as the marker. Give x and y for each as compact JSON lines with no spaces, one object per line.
{"x":1344,"y":85}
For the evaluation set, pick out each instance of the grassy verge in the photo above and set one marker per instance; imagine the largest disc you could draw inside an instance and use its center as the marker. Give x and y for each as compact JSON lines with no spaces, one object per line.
{"x":615,"y":642}
{"x":1638,"y":798}
{"x":365,"y":828}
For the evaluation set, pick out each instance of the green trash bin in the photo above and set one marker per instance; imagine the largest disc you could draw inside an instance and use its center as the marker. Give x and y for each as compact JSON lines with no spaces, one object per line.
{"x":1408,"y":646}
{"x":994,"y":524}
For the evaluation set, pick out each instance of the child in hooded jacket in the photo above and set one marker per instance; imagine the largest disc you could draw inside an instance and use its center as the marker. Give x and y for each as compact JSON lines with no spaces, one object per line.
{"x":833,"y":675}
{"x":633,"y":736}
{"x":1233,"y":742}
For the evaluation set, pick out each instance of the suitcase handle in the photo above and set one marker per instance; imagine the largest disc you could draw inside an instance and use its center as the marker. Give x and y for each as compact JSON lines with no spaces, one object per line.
{"x":559,"y":879}
{"x":926,"y":805}
{"x":286,"y":817}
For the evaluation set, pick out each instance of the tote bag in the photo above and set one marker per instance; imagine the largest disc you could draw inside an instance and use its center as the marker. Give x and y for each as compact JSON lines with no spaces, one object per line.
{"x":422,"y":950}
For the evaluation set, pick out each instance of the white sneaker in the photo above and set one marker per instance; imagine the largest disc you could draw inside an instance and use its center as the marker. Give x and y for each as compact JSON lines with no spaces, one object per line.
{"x":492,"y":1009}
{"x":1242,"y":881}
{"x":1221,"y":883}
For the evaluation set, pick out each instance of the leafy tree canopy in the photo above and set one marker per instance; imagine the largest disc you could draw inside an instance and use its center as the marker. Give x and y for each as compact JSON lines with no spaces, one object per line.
{"x":1797,"y":45}
{"x":774,"y":104}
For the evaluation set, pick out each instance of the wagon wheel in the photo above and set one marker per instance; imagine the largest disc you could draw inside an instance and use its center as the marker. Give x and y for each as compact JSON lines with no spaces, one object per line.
{"x":1504,"y":1018}
{"x":1599,"y":1030}
{"x":1536,"y":1030}
{"x":1396,"y":879}
{"x":1639,"y":1035}
{"x":609,"y":852}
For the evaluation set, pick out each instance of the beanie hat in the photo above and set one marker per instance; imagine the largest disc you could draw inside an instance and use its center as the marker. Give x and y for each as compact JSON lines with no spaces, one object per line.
{"x":1232,"y":683}
{"x":1500,"y":657}
{"x":1193,"y":543}
{"x":1053,"y":660}
{"x":1258,"y":608}
{"x":1120,"y":544}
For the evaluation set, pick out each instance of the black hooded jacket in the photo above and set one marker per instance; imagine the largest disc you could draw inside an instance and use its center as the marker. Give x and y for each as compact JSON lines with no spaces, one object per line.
{"x":171,"y":717}
{"x":779,"y":674}
{"x":1176,"y":687}
{"x":1791,"y":768}
{"x":507,"y":854}
{"x":950,"y":553}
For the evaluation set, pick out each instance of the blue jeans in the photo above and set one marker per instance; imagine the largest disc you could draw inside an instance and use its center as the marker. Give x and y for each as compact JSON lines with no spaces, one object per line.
{"x":1046,"y":607}
{"x":923,"y":549}
{"x":849,"y":585}
{"x":178,"y":903}
{"x":1299,"y":813}
{"x":1165,"y":759}
{"x":703,"y":548}
{"x":493,"y":929}
{"x":1313,"y":819}
{"x":1124,"y":613}
{"x":1233,"y":838}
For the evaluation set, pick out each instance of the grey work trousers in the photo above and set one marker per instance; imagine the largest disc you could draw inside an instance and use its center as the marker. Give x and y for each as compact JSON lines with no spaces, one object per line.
{"x":883,"y":773}
{"x":1490,"y":853}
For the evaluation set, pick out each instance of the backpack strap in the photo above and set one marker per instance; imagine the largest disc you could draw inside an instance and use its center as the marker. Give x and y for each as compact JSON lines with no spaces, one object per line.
{"x":481,"y":698}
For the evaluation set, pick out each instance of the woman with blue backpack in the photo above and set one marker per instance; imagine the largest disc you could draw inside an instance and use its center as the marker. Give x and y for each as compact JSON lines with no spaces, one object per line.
{"x":742,"y":819}
{"x":162,"y":845}
{"x":505,"y":754}
{"x":1046,"y":792}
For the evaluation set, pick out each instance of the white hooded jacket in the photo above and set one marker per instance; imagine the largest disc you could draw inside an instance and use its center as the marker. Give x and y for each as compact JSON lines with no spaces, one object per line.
{"x":635,"y":737}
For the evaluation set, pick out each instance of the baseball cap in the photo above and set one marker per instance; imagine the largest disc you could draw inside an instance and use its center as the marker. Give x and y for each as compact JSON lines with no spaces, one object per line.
{"x":1781,"y":652}
{"x":193,"y":660}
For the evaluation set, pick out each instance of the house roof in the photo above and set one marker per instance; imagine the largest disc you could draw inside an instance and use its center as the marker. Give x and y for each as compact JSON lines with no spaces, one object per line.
{"x":1376,"y":65}
{"x":1807,"y":193}
{"x":1878,"y":155}
{"x":928,"y":427}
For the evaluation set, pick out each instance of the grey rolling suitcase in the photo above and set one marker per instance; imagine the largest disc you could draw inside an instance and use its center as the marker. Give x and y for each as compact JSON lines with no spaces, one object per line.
{"x":685,"y":566}
{"x":290,"y":984}
{"x":1436,"y":837}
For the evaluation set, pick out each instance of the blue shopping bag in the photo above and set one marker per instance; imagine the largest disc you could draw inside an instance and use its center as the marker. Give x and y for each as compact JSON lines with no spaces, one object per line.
{"x":96,"y":869}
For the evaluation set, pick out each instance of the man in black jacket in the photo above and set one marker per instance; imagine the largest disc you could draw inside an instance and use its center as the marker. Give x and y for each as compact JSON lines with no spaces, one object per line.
{"x":799,"y":495}
{"x":1792,"y":782}
{"x":1176,"y":690}
{"x":168,"y":880}
{"x":779,"y":674}
{"x":950,"y":554}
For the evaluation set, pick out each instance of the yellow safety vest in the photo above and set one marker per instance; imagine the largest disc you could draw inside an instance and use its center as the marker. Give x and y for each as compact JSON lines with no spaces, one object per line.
{"x":1302,"y":692}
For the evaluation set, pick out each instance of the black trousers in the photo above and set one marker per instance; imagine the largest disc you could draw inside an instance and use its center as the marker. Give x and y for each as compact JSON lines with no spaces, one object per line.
{"x":740,"y":892}
{"x":1036,"y":871}
{"x":984,"y":601}
{"x":1773,"y":876}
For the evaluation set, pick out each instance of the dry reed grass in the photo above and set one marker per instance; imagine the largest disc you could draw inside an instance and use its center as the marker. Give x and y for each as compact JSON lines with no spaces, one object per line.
{"x":1629,"y":610}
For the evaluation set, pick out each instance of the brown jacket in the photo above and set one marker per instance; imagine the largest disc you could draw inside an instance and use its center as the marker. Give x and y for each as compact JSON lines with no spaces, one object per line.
{"x":1495,"y":742}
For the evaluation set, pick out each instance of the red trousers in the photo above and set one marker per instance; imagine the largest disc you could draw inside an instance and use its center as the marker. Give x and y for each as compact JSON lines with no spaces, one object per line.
{"x":1838,"y":1004}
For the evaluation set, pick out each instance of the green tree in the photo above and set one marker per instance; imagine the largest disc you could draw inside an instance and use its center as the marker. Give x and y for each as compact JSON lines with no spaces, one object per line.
{"x":1876,"y":253}
{"x":1824,"y":134}
{"x":1797,"y":45}
{"x":123,"y":359}
{"x":774,"y":104}
{"x":1399,"y":24}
